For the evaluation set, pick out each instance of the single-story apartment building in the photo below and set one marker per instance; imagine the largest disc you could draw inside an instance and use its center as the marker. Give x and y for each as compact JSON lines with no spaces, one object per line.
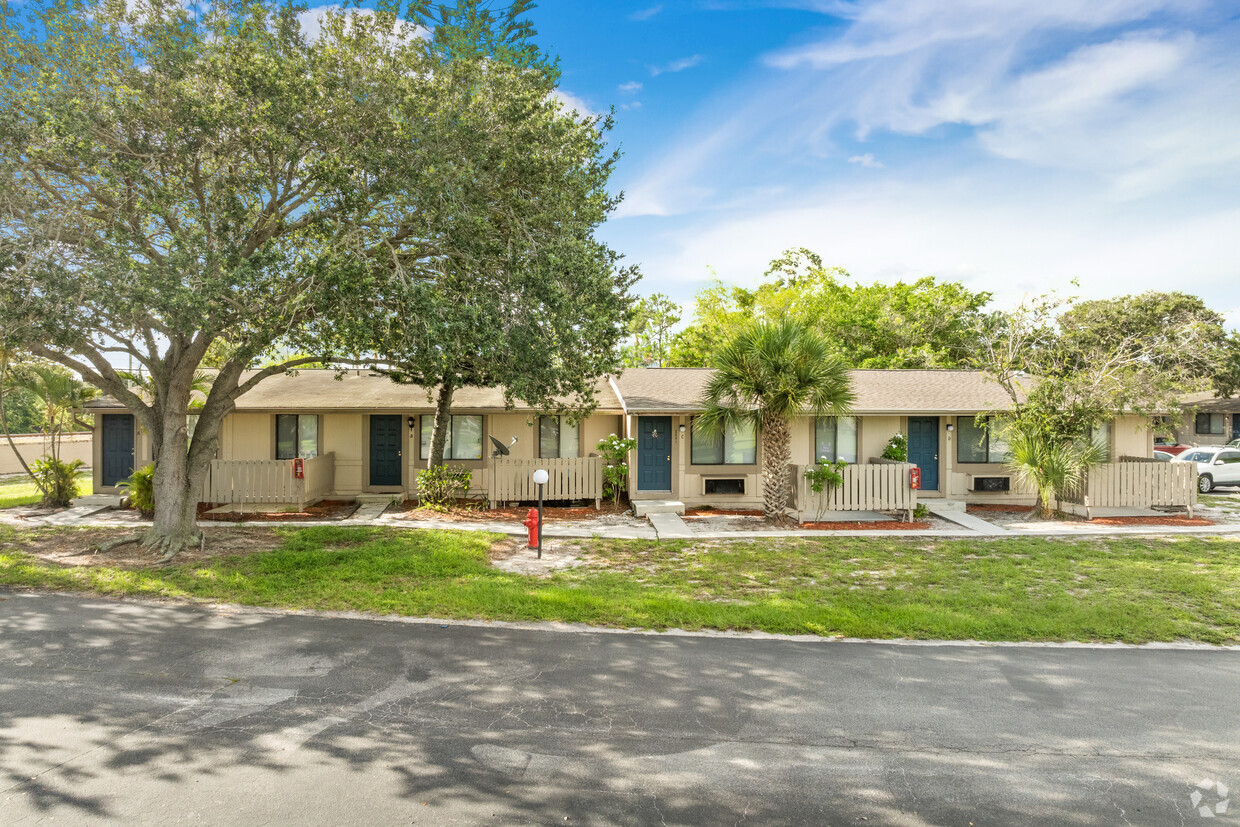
{"x":373,"y":436}
{"x":1207,"y":420}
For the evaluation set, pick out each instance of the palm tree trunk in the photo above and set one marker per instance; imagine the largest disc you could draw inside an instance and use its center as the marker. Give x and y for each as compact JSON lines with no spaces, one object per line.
{"x":776,"y":454}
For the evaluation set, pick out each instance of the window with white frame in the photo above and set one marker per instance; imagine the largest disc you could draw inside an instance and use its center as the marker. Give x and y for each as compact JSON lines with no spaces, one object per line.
{"x":731,"y":445}
{"x":979,"y":440}
{"x":835,"y":438}
{"x":464,"y":439}
{"x":1101,"y":437}
{"x":1210,"y":424}
{"x":558,"y":438}
{"x":297,"y":436}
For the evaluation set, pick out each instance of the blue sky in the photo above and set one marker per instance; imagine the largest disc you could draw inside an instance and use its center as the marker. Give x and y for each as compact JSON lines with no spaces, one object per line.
{"x":1010,"y":145}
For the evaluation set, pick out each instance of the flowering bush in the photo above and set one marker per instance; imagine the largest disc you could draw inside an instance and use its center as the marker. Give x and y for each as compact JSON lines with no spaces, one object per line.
{"x":615,"y":451}
{"x":897,"y":448}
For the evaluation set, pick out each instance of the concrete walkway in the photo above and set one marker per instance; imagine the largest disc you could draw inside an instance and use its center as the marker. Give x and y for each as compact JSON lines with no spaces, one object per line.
{"x":963,"y":518}
{"x":669,"y":526}
{"x":372,"y":514}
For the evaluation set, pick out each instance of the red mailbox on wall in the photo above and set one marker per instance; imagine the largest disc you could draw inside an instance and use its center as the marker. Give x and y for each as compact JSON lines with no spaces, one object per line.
{"x":299,"y":468}
{"x":915,"y":478}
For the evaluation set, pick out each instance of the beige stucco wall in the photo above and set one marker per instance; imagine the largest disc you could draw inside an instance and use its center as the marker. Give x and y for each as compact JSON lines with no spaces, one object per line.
{"x":1131,"y":436}
{"x":72,"y":446}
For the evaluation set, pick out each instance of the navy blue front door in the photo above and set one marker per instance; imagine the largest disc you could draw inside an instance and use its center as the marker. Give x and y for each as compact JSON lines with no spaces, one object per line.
{"x":117,"y":448}
{"x":385,"y":450}
{"x":654,"y":453}
{"x":923,"y":449}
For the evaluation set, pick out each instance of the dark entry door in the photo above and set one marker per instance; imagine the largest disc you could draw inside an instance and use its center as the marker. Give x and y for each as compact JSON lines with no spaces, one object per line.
{"x":117,"y":448}
{"x":654,"y":453}
{"x":923,"y":449}
{"x":385,"y":450}
{"x":1235,"y":426}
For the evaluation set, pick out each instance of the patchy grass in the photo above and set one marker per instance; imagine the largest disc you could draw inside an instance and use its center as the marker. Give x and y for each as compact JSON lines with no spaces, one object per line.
{"x":19,"y":490}
{"x":1124,"y":589}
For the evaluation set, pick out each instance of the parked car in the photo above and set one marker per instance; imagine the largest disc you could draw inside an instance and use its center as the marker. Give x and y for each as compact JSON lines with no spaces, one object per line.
{"x":1171,"y":448}
{"x":1215,"y":466}
{"x":1163,"y":456}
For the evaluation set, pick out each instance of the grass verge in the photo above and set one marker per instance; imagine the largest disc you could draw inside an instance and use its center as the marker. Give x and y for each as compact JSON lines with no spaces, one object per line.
{"x":1125,"y":589}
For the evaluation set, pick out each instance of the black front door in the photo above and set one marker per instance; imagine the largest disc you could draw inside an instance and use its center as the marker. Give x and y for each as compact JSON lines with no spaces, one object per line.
{"x":385,"y":453}
{"x":117,"y":448}
{"x":1235,"y":426}
{"x":654,"y":453}
{"x":923,"y":449}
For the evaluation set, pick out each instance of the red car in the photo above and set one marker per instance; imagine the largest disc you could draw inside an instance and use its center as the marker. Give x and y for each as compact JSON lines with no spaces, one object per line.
{"x":1174,"y":450}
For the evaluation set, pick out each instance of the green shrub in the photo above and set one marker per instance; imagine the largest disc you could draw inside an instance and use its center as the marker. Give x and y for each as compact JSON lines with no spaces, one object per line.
{"x":141,"y":486}
{"x":56,"y":479}
{"x":921,"y":512}
{"x":440,"y":486}
{"x":897,"y":448}
{"x":615,"y":451}
{"x":824,"y":475}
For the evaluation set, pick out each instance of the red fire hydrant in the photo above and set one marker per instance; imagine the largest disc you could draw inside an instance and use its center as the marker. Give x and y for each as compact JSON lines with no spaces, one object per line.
{"x":531,"y":522}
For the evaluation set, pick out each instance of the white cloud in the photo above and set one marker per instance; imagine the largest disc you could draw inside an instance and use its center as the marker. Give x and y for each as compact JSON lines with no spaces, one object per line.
{"x":971,"y":231}
{"x":676,"y":65}
{"x":569,"y":102}
{"x":866,"y":160}
{"x":311,"y":21}
{"x":630,"y":88}
{"x":646,"y":14}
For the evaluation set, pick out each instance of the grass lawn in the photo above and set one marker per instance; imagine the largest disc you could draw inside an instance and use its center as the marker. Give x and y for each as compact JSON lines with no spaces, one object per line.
{"x":19,"y":490}
{"x":1124,"y":589}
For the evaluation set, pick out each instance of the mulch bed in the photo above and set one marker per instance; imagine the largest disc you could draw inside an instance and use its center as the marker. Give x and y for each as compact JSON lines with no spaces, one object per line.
{"x":1169,"y":521}
{"x":895,"y":525}
{"x":323,"y":510}
{"x":723,"y":512}
{"x":472,"y":513}
{"x":75,"y":548}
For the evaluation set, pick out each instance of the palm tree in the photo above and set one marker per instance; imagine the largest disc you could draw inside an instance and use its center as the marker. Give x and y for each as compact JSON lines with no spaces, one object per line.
{"x":1053,"y":466}
{"x":768,"y":374}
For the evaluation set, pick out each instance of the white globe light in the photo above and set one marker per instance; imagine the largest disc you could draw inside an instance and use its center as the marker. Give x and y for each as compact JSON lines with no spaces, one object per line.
{"x":540,"y":477}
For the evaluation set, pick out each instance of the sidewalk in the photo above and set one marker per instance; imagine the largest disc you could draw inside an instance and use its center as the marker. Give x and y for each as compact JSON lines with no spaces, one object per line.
{"x":988,"y":531}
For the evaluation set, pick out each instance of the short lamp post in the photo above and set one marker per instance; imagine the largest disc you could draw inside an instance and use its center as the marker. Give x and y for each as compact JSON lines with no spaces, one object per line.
{"x":540,"y":479}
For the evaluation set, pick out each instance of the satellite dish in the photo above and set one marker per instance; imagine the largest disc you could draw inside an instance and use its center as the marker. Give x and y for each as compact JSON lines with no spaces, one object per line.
{"x":501,"y":450}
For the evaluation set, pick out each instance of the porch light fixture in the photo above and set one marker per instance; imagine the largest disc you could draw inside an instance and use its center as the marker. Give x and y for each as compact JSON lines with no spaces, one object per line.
{"x":412,"y":422}
{"x":950,"y":428}
{"x":682,"y":429}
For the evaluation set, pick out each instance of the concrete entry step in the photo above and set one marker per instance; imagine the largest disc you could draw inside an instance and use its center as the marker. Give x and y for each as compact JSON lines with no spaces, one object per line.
{"x":642,"y":508}
{"x":937,"y":505}
{"x":377,"y":498}
{"x":100,"y":500}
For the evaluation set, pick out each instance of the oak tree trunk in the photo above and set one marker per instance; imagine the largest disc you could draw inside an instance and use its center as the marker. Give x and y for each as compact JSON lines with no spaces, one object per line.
{"x":776,"y":454}
{"x":443,"y":421}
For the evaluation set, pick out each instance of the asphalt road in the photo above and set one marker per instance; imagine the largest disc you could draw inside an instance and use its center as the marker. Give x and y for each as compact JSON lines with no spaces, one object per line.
{"x":141,"y":714}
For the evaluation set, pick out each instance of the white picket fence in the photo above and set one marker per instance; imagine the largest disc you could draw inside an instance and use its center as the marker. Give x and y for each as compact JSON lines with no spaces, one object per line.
{"x":245,"y":481}
{"x":579,"y":478}
{"x":869,"y":487}
{"x":1137,"y":485}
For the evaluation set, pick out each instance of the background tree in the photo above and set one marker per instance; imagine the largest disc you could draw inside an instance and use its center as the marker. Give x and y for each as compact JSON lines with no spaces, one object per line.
{"x":520,"y":293}
{"x":171,"y":177}
{"x":650,"y":330}
{"x":769,"y":373}
{"x":924,"y":324}
{"x":1070,"y":366}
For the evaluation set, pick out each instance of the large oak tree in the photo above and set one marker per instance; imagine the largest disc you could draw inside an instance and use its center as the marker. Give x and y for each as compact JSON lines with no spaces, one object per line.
{"x":175,"y":178}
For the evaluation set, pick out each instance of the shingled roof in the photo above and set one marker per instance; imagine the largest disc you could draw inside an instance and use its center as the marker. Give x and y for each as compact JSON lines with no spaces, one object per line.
{"x":361,"y":390}
{"x":671,"y":390}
